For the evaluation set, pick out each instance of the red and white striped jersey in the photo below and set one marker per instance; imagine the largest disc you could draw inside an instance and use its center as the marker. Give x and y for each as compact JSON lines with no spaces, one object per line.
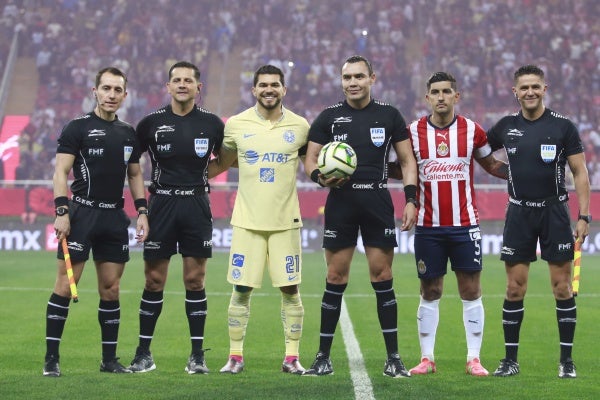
{"x":445,"y":160}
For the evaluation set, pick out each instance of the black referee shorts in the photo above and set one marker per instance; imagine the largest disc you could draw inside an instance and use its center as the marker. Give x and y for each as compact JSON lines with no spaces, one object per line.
{"x":104,"y":231}
{"x":179,"y":224}
{"x":524,"y":226}
{"x":370,"y":211}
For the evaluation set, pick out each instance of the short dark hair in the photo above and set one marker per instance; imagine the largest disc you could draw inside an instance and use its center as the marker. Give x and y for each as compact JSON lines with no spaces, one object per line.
{"x":529,"y":70}
{"x":185,"y":64}
{"x":269,"y":70}
{"x":112,"y":71}
{"x":441,"y":77}
{"x":356,"y":58}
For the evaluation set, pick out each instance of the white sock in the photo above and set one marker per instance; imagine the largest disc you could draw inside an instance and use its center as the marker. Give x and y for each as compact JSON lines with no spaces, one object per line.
{"x":473,"y":319}
{"x":428,"y":317}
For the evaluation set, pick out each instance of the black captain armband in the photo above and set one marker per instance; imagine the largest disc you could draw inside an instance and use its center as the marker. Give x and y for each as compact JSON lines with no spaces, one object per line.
{"x":410,"y":194}
{"x":140,"y":203}
{"x":61,"y":201}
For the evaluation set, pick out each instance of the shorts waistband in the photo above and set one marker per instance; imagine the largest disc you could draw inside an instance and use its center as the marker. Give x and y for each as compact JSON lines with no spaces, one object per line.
{"x":539,"y":203}
{"x":179,"y":191}
{"x":95,"y":203}
{"x":365,"y":185}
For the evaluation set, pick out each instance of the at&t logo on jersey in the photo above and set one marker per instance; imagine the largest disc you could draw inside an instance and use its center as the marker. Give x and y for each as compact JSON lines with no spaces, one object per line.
{"x":377,"y":136}
{"x":251,"y":157}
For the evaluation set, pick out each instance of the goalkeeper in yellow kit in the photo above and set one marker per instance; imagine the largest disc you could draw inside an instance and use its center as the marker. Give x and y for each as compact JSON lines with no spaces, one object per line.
{"x":267,"y":140}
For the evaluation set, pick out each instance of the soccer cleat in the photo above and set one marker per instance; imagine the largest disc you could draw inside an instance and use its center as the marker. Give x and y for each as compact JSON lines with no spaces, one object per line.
{"x":321,"y":366}
{"x":425,"y":367}
{"x":395,"y":368}
{"x":475,"y":368}
{"x":196,"y":364}
{"x":142,"y":362}
{"x":567,"y":370}
{"x":234,"y":365}
{"x":114,"y":367}
{"x":507,"y":368}
{"x":292,"y":366}
{"x":51,"y":367}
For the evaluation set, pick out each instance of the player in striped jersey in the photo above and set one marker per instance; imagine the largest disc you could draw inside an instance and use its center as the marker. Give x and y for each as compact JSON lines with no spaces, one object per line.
{"x":445,"y":145}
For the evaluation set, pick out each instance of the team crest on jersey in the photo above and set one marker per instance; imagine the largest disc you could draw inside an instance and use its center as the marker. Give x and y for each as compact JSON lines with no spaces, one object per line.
{"x":201,"y":147}
{"x":548,"y":152}
{"x":127,"y":150}
{"x":377,"y":136}
{"x":421,"y":267}
{"x":289,"y":136}
{"x":442,"y":149}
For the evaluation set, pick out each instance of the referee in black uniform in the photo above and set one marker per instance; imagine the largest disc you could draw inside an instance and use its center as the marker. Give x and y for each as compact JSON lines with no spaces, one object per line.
{"x":101,"y":150}
{"x":539,"y":142}
{"x":362,"y":203}
{"x":180,"y":139}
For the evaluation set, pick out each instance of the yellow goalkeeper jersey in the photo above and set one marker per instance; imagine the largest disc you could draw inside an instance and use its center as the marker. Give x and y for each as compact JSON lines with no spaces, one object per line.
{"x":268,"y":155}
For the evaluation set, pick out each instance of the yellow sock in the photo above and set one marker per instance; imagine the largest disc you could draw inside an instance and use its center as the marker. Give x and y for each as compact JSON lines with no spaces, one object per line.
{"x":292,"y":315}
{"x":238,"y":315}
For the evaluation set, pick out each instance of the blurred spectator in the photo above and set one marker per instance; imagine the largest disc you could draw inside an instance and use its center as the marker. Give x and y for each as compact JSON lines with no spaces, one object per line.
{"x":476,"y":40}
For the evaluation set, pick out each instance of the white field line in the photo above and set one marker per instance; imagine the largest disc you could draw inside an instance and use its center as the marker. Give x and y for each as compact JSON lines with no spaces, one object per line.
{"x":363,"y":388}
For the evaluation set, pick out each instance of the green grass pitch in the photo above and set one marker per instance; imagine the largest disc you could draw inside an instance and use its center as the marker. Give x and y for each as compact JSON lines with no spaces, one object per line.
{"x":27,"y":279}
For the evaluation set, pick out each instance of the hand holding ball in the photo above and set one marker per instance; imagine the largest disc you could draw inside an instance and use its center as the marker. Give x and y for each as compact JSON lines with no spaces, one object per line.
{"x":337,"y":160}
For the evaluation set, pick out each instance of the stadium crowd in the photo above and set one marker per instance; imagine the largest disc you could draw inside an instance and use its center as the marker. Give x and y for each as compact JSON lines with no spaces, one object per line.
{"x":480,"y":41}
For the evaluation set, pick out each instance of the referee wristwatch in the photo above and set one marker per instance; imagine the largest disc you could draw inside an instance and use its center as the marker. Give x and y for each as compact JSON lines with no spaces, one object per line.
{"x":586,"y":218}
{"x":142,"y":211}
{"x":60,"y":211}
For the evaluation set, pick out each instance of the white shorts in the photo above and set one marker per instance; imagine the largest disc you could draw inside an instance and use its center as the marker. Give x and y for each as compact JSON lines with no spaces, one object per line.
{"x":252,"y":250}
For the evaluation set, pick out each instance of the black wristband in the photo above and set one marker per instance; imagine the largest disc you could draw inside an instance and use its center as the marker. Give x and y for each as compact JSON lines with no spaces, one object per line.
{"x":140,"y":203}
{"x":61,"y":201}
{"x":314,"y":176}
{"x":410,"y":194}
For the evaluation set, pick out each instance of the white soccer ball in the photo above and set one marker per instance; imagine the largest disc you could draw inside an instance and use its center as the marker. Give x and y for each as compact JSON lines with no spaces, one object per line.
{"x":337,"y":159}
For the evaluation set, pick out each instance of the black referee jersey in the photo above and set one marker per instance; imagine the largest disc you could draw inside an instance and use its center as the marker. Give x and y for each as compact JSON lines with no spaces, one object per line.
{"x":180,"y":147}
{"x":537,"y":152}
{"x":102,"y":150}
{"x":370,"y":131}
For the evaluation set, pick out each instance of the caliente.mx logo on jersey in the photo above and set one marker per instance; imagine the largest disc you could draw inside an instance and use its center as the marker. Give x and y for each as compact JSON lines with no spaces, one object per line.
{"x":201,"y":147}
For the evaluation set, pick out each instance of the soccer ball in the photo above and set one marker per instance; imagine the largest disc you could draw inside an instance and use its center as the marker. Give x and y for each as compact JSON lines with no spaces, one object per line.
{"x":337,"y":159}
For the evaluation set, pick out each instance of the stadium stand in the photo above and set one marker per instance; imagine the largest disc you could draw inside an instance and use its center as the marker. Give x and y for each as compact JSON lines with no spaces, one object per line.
{"x":480,"y":41}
